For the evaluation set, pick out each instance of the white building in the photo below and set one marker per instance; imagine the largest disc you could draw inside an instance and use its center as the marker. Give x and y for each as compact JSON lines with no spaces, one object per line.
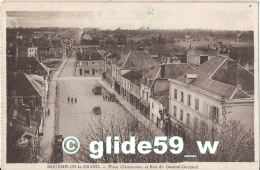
{"x":216,"y":91}
{"x":32,"y":52}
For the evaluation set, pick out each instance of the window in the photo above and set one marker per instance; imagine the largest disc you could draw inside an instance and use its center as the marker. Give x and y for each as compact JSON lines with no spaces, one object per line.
{"x":181,"y":115}
{"x":175,"y":93}
{"x":174,"y":111}
{"x":86,"y":71}
{"x":197,"y":104}
{"x":93,"y":63}
{"x":99,"y":63}
{"x":152,"y":105}
{"x":203,"y":128}
{"x":86,"y":64}
{"x":214,"y":113}
{"x":181,"y":96}
{"x":196,"y":124}
{"x":188,"y":100}
{"x":188,"y":119}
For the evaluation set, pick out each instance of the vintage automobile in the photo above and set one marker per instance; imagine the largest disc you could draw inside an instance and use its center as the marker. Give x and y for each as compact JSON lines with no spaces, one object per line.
{"x":57,"y":149}
{"x":112,"y":97}
{"x":97,"y":110}
{"x":97,"y":89}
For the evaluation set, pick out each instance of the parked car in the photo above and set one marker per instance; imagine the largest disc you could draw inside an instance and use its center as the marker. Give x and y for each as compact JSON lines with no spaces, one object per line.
{"x":97,"y":89}
{"x":58,"y":140}
{"x":97,"y":110}
{"x":57,"y":150}
{"x":112,"y":97}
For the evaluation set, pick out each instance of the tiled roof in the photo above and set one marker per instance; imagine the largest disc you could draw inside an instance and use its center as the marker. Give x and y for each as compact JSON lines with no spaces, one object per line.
{"x":36,"y":67}
{"x":119,"y":62}
{"x":139,"y":60}
{"x":135,"y":76}
{"x":89,"y":55}
{"x":37,"y":86}
{"x":172,"y":71}
{"x":208,"y":71}
{"x":24,"y":87}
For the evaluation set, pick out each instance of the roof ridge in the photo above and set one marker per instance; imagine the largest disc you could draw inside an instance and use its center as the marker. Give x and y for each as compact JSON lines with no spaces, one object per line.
{"x":217,"y":67}
{"x":34,"y":84}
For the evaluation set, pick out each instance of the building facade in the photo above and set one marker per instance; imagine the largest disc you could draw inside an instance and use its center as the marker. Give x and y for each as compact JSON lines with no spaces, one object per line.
{"x":89,"y":63}
{"x":33,"y":52}
{"x":217,"y":91}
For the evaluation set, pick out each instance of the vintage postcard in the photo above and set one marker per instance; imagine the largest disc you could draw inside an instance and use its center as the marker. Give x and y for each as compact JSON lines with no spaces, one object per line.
{"x":130,"y":85}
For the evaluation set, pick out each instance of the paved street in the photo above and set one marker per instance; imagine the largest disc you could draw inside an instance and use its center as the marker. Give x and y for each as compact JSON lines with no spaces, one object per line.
{"x":49,"y":121}
{"x":72,"y":118}
{"x":69,"y":68}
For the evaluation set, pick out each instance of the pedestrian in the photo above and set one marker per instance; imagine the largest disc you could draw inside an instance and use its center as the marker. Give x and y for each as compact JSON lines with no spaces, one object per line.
{"x":68,"y":99}
{"x":76,"y":100}
{"x":48,"y":112}
{"x":72,"y":100}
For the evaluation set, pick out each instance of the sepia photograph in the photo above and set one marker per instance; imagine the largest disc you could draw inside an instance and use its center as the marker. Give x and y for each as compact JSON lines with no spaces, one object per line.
{"x":132,"y":83}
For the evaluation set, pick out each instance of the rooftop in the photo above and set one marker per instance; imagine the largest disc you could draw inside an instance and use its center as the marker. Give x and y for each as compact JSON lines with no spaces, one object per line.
{"x":213,"y":76}
{"x":23,"y":85}
{"x":172,"y":71}
{"x":134,"y":76}
{"x":90,"y":55}
{"x":138,"y":60}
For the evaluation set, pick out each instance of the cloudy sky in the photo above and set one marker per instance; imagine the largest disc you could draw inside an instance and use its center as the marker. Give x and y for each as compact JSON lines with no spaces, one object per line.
{"x":135,"y":15}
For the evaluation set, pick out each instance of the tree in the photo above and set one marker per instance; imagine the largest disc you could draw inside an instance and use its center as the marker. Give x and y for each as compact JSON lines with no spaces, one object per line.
{"x":124,"y":128}
{"x":236,"y":144}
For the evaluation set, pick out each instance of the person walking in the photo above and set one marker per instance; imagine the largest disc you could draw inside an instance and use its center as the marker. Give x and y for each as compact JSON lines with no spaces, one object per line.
{"x":72,"y":100}
{"x":48,"y":112}
{"x":68,"y":100}
{"x":76,"y":100}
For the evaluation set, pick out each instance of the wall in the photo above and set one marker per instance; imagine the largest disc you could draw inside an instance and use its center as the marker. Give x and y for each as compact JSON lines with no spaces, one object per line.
{"x":160,"y":85}
{"x":88,"y":67}
{"x":155,"y":106}
{"x":241,"y":112}
{"x":204,"y":103}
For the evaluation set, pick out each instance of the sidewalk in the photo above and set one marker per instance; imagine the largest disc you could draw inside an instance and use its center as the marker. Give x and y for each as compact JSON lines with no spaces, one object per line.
{"x":135,"y":112}
{"x":49,"y":121}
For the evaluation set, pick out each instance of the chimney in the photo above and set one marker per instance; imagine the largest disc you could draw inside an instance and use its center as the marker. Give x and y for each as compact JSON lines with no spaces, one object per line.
{"x":162,"y":71}
{"x":190,"y":77}
{"x":232,"y":73}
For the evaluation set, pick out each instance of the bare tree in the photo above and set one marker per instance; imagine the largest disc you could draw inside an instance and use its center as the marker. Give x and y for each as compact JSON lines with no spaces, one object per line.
{"x":236,"y":144}
{"x":124,"y":128}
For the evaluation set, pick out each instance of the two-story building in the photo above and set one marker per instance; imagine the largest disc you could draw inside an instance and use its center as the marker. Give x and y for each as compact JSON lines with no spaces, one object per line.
{"x":130,"y":86}
{"x":89,"y":63}
{"x":205,"y":97}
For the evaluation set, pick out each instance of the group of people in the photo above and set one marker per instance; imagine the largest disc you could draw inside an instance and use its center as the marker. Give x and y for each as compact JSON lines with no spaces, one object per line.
{"x":72,"y":100}
{"x":106,"y":98}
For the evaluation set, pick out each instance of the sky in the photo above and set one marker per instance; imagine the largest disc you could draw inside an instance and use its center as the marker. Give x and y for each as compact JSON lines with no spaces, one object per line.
{"x":221,"y":16}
